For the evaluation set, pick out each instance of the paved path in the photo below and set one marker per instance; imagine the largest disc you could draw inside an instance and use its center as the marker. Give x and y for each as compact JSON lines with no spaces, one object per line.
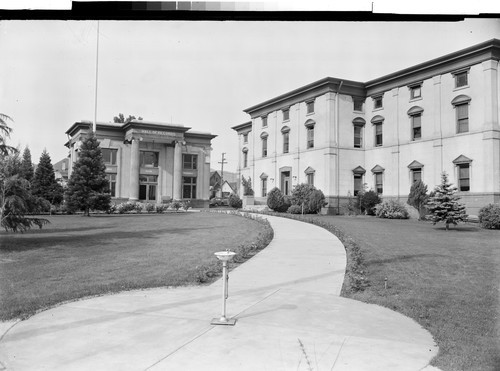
{"x":288,"y":310}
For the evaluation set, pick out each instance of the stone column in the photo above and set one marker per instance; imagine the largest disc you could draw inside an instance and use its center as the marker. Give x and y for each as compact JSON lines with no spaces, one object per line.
{"x":490,"y":73}
{"x":134,"y":171}
{"x":177,"y":171}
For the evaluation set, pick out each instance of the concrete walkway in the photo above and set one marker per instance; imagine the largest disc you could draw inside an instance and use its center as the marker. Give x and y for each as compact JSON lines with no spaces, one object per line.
{"x":288,"y":310}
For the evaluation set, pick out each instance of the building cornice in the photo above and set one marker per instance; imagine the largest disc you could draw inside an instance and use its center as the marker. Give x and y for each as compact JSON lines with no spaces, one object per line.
{"x":246,"y":125}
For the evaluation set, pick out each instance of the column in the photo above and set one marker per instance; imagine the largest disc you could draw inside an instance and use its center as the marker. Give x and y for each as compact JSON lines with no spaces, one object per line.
{"x":178,"y":171}
{"x":134,"y":171}
{"x":437,"y":134}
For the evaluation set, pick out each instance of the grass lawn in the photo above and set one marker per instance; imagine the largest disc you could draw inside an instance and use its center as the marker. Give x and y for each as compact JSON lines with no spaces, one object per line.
{"x":77,"y":256}
{"x":448,"y":281}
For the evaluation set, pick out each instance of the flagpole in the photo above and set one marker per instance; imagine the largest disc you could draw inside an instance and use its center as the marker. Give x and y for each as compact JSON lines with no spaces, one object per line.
{"x":94,"y":126}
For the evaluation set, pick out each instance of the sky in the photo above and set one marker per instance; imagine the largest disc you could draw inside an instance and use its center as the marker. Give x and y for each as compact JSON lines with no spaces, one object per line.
{"x":197,"y":74}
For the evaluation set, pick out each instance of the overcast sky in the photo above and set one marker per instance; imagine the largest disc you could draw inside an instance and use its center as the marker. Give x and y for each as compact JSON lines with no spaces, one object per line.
{"x":197,"y":74}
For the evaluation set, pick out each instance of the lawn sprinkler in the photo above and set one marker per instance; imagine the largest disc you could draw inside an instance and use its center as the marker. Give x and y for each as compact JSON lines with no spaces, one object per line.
{"x":224,"y":256}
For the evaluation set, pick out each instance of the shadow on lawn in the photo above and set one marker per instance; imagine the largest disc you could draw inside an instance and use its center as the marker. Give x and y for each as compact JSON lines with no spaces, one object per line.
{"x":459,"y":229}
{"x":11,"y":243}
{"x":402,"y":258}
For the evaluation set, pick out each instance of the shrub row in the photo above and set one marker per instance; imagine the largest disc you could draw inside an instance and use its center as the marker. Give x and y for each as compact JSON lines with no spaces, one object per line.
{"x":138,"y":207}
{"x":305,"y":199}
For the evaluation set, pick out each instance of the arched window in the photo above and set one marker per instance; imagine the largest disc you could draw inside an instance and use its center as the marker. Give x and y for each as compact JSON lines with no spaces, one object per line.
{"x":358,"y":174}
{"x":377,"y":122}
{"x":415,"y":114}
{"x":286,"y":139}
{"x":358,"y":125}
{"x":461,"y":105}
{"x":378,"y":173}
{"x":264,"y":136}
{"x":245,"y":157}
{"x":309,"y":124}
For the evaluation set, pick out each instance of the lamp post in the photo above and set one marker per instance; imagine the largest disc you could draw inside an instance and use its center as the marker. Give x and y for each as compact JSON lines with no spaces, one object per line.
{"x":224,"y":256}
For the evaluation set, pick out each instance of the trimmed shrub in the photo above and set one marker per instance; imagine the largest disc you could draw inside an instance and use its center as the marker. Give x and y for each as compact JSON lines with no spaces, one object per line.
{"x":489,"y":216}
{"x":294,"y":209}
{"x":235,"y":201}
{"x":176,"y":205}
{"x":301,"y":196}
{"x":316,"y":201}
{"x":368,"y":201}
{"x":150,"y":208}
{"x":418,"y":198}
{"x":287,"y":202}
{"x":161,"y":208}
{"x":275,"y":199}
{"x":391,"y":210}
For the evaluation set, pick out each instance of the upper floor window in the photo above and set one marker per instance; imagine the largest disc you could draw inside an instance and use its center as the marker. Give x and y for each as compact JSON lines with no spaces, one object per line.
{"x":415,"y":114}
{"x":286,"y":142}
{"x":310,"y":137}
{"x":264,"y":121}
{"x":263,"y":136}
{"x":245,"y":157}
{"x":149,"y":159}
{"x":109,"y":156}
{"x":358,"y":124}
{"x":189,"y":161}
{"x":357,"y":104}
{"x":461,"y":104}
{"x":286,"y":114}
{"x":310,"y":107}
{"x":245,"y":138}
{"x":416,"y":91}
{"x":461,"y":79}
{"x":377,"y":122}
{"x":378,"y":102}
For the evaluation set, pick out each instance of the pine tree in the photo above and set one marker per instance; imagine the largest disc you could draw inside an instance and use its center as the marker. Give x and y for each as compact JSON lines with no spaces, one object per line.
{"x":88,"y":187}
{"x":418,"y":197}
{"x":444,"y":206}
{"x":26,"y":170}
{"x":44,"y":182}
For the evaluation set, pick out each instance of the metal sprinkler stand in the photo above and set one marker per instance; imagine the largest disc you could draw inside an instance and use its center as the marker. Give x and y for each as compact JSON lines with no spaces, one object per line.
{"x":224,"y":256}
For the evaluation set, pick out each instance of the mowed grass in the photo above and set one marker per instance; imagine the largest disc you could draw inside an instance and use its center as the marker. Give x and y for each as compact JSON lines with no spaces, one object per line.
{"x":75,"y":256}
{"x":448,"y":281}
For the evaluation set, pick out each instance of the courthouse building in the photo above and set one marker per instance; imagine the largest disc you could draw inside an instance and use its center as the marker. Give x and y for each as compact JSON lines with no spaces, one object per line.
{"x":440,"y":115}
{"x":149,"y":161}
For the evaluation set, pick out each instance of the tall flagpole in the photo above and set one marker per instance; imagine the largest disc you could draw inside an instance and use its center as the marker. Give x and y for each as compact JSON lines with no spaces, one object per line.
{"x":94,"y":126}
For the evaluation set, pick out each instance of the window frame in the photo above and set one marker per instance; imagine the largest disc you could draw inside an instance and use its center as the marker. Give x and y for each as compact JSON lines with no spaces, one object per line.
{"x":414,"y":89}
{"x":378,"y":102}
{"x":310,"y":137}
{"x":245,"y":157}
{"x":112,"y":184}
{"x":286,"y":114}
{"x":460,"y":179}
{"x":310,"y":107}
{"x":357,"y":101}
{"x":192,"y":163}
{"x":142,"y":158}
{"x":245,"y":138}
{"x":415,"y":126}
{"x":192,"y":186}
{"x":462,"y":121}
{"x":113,"y":152}
{"x":263,"y":187}
{"x":264,"y":121}
{"x":457,"y":77}
{"x":264,"y":146}
{"x":379,"y":133}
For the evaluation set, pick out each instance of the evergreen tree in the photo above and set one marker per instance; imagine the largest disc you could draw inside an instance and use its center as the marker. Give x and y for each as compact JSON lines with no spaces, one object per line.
{"x":444,"y":206}
{"x":5,"y":131}
{"x":418,"y":197}
{"x":26,"y":169}
{"x":88,"y":188}
{"x":44,"y":182}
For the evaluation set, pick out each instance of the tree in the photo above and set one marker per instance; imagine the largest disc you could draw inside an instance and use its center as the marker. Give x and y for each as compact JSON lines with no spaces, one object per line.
{"x":16,"y":199}
{"x":443,"y":204}
{"x":5,"y":131}
{"x":418,"y":197}
{"x":44,"y":182}
{"x":275,"y":199}
{"x":247,"y":186}
{"x":88,"y":187}
{"x":26,"y":169}
{"x":121,"y":118}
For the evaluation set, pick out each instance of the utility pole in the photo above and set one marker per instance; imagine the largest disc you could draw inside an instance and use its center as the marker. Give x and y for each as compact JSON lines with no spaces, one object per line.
{"x":222,"y":162}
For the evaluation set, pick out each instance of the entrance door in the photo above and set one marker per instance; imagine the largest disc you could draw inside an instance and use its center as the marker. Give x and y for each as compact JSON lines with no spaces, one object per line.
{"x":285,"y":182}
{"x":147,"y":187}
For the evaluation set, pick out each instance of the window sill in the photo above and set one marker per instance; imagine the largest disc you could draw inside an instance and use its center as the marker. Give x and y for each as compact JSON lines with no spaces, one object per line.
{"x":461,"y":88}
{"x":310,"y":114}
{"x":415,"y":99}
{"x":377,"y":109}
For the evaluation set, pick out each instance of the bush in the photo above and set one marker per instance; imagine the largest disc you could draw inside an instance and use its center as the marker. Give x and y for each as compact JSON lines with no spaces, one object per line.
{"x":489,"y":216}
{"x":161,"y":208}
{"x":391,"y":210}
{"x":128,"y":207}
{"x":275,"y":199}
{"x":294,"y":209}
{"x":368,"y":200}
{"x":176,"y":205}
{"x":418,"y":198}
{"x":287,"y":202}
{"x":150,"y":208}
{"x":301,"y":195}
{"x":186,"y":205}
{"x":316,"y":201}
{"x":235,"y":201}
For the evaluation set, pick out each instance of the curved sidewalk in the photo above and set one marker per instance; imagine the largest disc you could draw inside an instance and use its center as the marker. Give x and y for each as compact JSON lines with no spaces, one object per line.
{"x":288,"y":310}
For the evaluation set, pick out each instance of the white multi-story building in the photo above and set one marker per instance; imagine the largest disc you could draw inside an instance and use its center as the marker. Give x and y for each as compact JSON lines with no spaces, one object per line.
{"x":438,"y":116}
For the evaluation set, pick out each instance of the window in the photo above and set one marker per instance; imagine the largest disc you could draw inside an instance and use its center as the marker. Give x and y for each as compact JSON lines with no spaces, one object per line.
{"x":461,"y":79}
{"x":416,"y":175}
{"x":264,"y":187}
{"x":358,"y":136}
{"x":379,"y":186}
{"x":264,"y":146}
{"x":416,"y":126}
{"x":378,"y":134}
{"x":112,"y":184}
{"x":188,"y":187}
{"x":462,"y":118}
{"x":358,"y":183}
{"x":377,"y":102}
{"x":149,"y":159}
{"x":245,"y":157}
{"x":147,"y":187}
{"x":264,"y":121}
{"x":286,"y":114}
{"x":310,"y":137}
{"x":358,"y":104}
{"x":310,"y":107}
{"x":463,"y":177}
{"x":245,"y":138}
{"x":310,"y":178}
{"x":415,"y":92}
{"x":109,"y":156}
{"x":189,"y":162}
{"x":286,"y":142}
